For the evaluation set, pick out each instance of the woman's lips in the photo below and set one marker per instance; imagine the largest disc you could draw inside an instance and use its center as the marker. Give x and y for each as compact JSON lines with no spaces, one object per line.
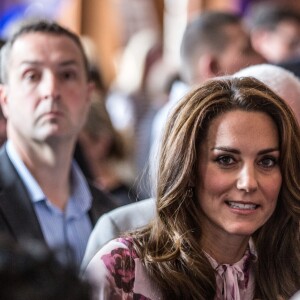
{"x":242,"y":205}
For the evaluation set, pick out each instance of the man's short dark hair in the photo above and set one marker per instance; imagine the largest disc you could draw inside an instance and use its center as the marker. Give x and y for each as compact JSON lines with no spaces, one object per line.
{"x":267,"y":16}
{"x":205,"y":32}
{"x":43,"y":26}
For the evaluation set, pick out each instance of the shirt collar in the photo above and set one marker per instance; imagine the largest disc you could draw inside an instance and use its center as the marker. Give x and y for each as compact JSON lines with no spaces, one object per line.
{"x":35,"y":192}
{"x":80,"y":198}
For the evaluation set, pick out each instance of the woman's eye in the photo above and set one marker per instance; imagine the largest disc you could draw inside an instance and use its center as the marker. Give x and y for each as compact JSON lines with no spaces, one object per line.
{"x":225,"y":160}
{"x":268,"y":162}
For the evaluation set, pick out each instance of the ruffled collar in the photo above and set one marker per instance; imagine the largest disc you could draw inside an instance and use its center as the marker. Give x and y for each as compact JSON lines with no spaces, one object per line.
{"x":235,"y":282}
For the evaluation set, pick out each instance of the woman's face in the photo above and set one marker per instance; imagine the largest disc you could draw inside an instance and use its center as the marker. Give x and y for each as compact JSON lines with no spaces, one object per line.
{"x":239,"y":178}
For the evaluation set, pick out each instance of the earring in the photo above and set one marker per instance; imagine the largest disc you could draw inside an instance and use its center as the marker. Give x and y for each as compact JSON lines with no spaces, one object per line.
{"x":190,"y":192}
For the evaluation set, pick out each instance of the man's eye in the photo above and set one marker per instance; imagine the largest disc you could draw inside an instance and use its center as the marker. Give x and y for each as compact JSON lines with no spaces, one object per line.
{"x":68,"y":75}
{"x":31,"y":76}
{"x":225,"y":160}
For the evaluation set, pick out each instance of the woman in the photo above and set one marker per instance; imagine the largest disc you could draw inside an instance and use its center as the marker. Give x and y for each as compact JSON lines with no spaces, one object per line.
{"x":228,"y":204}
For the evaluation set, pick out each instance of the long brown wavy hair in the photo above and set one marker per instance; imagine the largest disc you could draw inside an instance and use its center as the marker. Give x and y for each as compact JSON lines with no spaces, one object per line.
{"x":170,"y":246}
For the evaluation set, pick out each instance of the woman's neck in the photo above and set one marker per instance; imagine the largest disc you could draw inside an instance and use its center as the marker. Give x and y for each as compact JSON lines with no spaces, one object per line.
{"x":224,"y":248}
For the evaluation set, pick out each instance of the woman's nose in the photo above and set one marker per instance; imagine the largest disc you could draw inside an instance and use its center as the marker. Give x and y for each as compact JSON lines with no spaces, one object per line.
{"x":247,"y":180}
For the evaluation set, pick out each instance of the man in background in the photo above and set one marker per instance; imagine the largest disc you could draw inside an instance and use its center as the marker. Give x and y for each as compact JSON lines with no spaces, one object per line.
{"x":275,"y":32}
{"x":45,"y":98}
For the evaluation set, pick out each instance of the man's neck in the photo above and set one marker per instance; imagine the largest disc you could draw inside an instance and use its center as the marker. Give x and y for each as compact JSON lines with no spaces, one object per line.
{"x":51,"y":167}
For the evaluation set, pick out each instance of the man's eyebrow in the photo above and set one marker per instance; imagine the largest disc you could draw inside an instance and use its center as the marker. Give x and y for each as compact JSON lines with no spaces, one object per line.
{"x":30,"y":62}
{"x":62,"y":63}
{"x":69,"y":62}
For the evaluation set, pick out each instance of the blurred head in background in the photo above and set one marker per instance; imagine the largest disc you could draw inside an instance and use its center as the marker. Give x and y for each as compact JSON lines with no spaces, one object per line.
{"x":280,"y":80}
{"x":275,"y":31}
{"x":215,"y":43}
{"x":29,"y":270}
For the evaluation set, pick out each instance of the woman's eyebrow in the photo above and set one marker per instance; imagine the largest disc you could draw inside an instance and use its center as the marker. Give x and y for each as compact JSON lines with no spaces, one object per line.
{"x":268,"y":150}
{"x":226,"y":149}
{"x":235,"y":151}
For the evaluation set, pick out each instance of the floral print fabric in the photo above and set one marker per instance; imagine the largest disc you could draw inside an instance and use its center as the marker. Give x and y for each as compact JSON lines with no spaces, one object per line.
{"x":113,"y":272}
{"x":118,"y":274}
{"x":121,"y":266}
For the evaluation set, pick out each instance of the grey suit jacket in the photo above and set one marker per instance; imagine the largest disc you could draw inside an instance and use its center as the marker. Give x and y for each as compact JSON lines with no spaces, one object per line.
{"x":112,"y":224}
{"x":17,"y":215}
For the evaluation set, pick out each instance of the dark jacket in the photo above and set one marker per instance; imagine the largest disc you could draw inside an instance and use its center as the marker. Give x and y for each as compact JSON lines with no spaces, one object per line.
{"x":17,"y":216}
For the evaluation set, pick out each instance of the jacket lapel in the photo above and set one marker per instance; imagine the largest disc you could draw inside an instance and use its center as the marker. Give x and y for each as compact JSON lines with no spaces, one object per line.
{"x":15,"y":205}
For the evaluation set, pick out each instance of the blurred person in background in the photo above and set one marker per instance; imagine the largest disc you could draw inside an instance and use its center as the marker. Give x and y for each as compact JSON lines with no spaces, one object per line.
{"x":127,"y":99}
{"x":102,"y":151}
{"x":45,"y":98}
{"x":30,"y":271}
{"x":281,"y":81}
{"x":105,"y":154}
{"x":138,"y":91}
{"x":275,"y":31}
{"x":215,"y":43}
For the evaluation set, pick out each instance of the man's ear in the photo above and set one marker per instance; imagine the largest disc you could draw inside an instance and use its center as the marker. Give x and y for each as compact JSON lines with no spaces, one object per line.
{"x":208,"y":66}
{"x":259,"y":40}
{"x":3,"y":99}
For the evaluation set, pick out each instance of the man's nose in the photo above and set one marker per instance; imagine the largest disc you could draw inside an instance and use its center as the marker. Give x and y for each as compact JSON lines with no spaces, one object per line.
{"x":247,"y":179}
{"x":50,"y":86}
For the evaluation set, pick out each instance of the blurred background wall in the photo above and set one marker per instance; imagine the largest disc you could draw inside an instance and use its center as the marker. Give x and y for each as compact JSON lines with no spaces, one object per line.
{"x":111,"y":24}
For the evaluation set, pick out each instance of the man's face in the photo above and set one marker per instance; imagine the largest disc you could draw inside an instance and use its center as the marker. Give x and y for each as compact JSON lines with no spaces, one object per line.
{"x":283,"y":43}
{"x":46,"y":96}
{"x":238,"y":53}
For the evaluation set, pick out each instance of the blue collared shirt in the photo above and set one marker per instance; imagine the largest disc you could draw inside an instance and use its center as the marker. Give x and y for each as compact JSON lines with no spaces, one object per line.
{"x":67,"y":231}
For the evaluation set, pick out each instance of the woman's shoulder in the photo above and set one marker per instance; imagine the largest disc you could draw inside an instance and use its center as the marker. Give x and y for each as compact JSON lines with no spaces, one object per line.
{"x":112,"y":269}
{"x":119,"y":253}
{"x":114,"y":252}
{"x":117,"y":271}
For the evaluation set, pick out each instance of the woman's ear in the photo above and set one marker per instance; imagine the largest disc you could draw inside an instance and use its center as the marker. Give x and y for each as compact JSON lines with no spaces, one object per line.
{"x":192,"y":182}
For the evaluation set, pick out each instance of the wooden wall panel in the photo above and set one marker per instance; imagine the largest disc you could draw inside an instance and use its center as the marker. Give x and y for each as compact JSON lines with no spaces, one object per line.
{"x":100,"y":22}
{"x":70,"y":15}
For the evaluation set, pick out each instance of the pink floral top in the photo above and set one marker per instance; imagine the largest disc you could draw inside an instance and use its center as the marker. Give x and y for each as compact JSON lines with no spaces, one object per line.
{"x":117,"y":274}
